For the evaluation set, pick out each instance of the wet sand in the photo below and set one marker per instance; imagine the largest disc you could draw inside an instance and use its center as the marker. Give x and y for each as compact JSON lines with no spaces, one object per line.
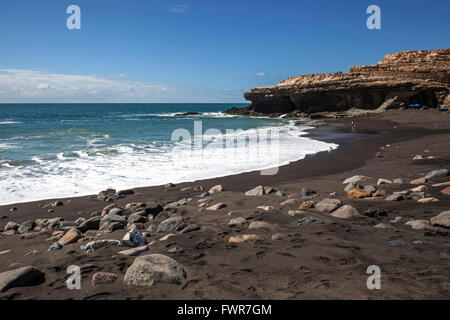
{"x":326,"y":261}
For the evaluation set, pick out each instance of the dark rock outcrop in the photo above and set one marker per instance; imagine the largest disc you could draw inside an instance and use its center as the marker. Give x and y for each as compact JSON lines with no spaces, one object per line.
{"x":400,"y":80}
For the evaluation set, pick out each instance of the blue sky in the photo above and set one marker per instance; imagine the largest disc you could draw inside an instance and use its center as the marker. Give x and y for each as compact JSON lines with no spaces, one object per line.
{"x":199,"y":50}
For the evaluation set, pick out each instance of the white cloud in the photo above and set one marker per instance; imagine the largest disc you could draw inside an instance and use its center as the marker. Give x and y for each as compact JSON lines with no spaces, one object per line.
{"x":21,"y":85}
{"x":260,"y":74}
{"x":179,"y":8}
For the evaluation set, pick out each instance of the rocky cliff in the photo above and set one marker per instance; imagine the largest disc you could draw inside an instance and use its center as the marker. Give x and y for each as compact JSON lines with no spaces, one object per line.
{"x":401,"y":79}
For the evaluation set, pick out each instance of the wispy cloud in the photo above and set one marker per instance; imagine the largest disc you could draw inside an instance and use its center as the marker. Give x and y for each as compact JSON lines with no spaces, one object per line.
{"x":179,"y":8}
{"x":260,"y":74}
{"x":21,"y":85}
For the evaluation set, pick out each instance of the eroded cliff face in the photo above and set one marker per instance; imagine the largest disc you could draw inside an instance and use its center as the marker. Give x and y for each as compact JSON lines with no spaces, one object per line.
{"x":404,"y":78}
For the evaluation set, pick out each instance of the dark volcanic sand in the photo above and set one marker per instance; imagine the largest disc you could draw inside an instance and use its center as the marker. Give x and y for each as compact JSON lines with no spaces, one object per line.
{"x":314,"y":262}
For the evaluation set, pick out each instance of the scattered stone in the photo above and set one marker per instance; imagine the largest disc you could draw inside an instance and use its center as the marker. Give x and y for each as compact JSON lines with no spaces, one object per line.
{"x":427,"y":200}
{"x":352,"y":186}
{"x":383,"y":181}
{"x":21,"y":277}
{"x":55,"y":246}
{"x":260,"y":225}
{"x":278,"y":236}
{"x":173,"y":250}
{"x":153,"y":269}
{"x":310,"y":220}
{"x":399,"y":181}
{"x":306,"y":205}
{"x":67,"y":224}
{"x":97,"y":244}
{"x":11,"y":226}
{"x":124,"y":192}
{"x":217,"y":206}
{"x":190,"y":228}
{"x":295,"y":212}
{"x":345,"y":212}
{"x":106,"y":223}
{"x":26,"y":226}
{"x":137,"y":218}
{"x":9,"y":233}
{"x":394,"y":197}
{"x":383,"y":226}
{"x":237,"y":221}
{"x":183,"y":202}
{"x":171,"y":224}
{"x":215,"y":189}
{"x":396,"y":220}
{"x":418,"y":157}
{"x":13,"y":209}
{"x":332,"y":194}
{"x":3,"y":217}
{"x":100,"y":278}
{"x":243,"y":238}
{"x":441,"y":220}
{"x":357,"y":194}
{"x":289,"y":202}
{"x":265,"y":208}
{"x":258,"y":191}
{"x":167,"y":236}
{"x":134,"y":238}
{"x":169,"y":185}
{"x":280,"y":193}
{"x":57,"y":203}
{"x":133,"y":252}
{"x":4,"y":252}
{"x":418,"y":242}
{"x":108,"y":208}
{"x":442,"y":184}
{"x":370,"y":189}
{"x":396,"y":243}
{"x":307,"y":192}
{"x":355,"y":179}
{"x":375,"y":213}
{"x":446,"y":191}
{"x":419,"y":188}
{"x":70,"y":236}
{"x":90,"y":224}
{"x":418,"y":224}
{"x":379,"y":193}
{"x":419,"y":181}
{"x":328,"y":205}
{"x":437,"y":174}
{"x":268,"y":190}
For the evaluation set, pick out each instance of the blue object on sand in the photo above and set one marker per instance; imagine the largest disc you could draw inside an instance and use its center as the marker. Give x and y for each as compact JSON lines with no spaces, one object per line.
{"x":443,"y":109}
{"x":415,"y":105}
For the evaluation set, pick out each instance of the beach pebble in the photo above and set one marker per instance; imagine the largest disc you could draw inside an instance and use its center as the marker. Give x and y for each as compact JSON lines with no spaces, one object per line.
{"x":190,"y":228}
{"x":307,"y":192}
{"x":375,"y":213}
{"x":310,"y":220}
{"x":383,"y":181}
{"x":441,"y":220}
{"x":169,"y":185}
{"x":216,"y":189}
{"x":278,"y":236}
{"x":269,"y":190}
{"x":357,"y":194}
{"x":418,"y":157}
{"x":399,"y":181}
{"x":13,"y":209}
{"x":345,"y":212}
{"x":26,"y":226}
{"x":441,"y":184}
{"x":419,"y":181}
{"x":90,"y":224}
{"x":108,"y":208}
{"x":97,"y":244}
{"x":437,"y":174}
{"x":217,"y":206}
{"x":137,"y":218}
{"x":152,"y":269}
{"x":57,"y":203}
{"x":70,"y":236}
{"x":265,"y":208}
{"x":446,"y":191}
{"x":11,"y":226}
{"x":355,"y":179}
{"x":396,"y":220}
{"x":280,"y":193}
{"x":134,"y":238}
{"x":124,"y":192}
{"x":418,"y":224}
{"x":394,"y":197}
{"x":295,"y":212}
{"x":167,"y":236}
{"x":21,"y":277}
{"x":236,"y":221}
{"x":260,"y":225}
{"x":353,"y":186}
{"x":257,"y":191}
{"x":171,"y":224}
{"x":100,"y":278}
{"x":383,"y":226}
{"x":133,"y":252}
{"x":328,"y":205}
{"x":289,"y":202}
{"x":306,"y":205}
{"x":427,"y":200}
{"x":55,"y":246}
{"x":244,"y":237}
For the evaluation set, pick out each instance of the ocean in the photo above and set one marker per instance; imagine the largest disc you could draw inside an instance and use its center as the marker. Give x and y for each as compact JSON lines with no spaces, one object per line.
{"x":62,"y":150}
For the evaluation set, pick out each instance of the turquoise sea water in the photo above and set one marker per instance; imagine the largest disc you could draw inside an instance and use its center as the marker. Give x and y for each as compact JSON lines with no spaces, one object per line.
{"x":57,"y":150}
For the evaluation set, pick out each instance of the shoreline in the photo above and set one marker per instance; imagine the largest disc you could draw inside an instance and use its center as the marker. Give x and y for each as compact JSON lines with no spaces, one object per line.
{"x":313,"y":261}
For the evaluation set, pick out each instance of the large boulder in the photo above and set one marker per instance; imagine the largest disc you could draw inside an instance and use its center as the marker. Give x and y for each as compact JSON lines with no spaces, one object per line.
{"x":152,"y":269}
{"x":171,"y":224}
{"x":328,"y":205}
{"x":21,"y":277}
